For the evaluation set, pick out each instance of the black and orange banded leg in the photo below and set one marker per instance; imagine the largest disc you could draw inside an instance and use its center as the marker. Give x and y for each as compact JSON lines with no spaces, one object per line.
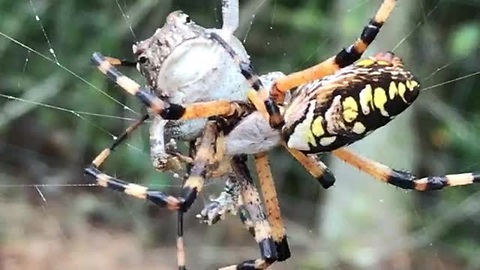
{"x":191,"y":188}
{"x":344,"y":58}
{"x":314,"y":166}
{"x":244,"y":211}
{"x":272,"y":206}
{"x":166,"y":110}
{"x":402,"y":179}
{"x":157,"y":197}
{"x":194,"y":183}
{"x":100,"y":158}
{"x":254,"y":219}
{"x":120,"y":62}
{"x":259,"y":96}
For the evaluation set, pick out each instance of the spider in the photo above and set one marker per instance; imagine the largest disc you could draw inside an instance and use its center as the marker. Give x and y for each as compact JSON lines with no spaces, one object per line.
{"x":337,"y":102}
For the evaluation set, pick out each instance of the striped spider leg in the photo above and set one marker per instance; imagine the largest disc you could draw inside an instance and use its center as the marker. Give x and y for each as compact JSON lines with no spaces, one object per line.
{"x":193,"y":183}
{"x":253,"y":217}
{"x":240,"y":195}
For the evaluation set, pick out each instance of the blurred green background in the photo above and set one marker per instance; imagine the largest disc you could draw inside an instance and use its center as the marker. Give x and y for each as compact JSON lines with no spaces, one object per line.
{"x":49,"y":219}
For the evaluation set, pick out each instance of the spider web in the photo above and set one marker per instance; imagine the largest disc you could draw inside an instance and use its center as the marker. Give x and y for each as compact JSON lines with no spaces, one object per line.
{"x":57,"y":112}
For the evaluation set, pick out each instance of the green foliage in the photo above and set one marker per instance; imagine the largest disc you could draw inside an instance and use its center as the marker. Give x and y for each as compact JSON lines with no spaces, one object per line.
{"x":465,"y":40}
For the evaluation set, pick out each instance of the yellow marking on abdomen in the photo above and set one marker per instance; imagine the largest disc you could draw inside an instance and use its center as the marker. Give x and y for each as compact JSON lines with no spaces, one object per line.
{"x":401,"y":91}
{"x":317,"y":127}
{"x":383,"y":63}
{"x":365,"y":62}
{"x":311,"y":139}
{"x":359,"y":128}
{"x":350,"y":109}
{"x":392,"y":90}
{"x":366,"y":98}
{"x":380,"y":99}
{"x":411,"y":85}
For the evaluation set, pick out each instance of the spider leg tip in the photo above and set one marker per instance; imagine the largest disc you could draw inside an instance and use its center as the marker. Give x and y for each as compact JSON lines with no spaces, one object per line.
{"x":283,"y":249}
{"x":326,"y":180}
{"x":187,"y":198}
{"x":97,"y":58}
{"x":268,"y":250}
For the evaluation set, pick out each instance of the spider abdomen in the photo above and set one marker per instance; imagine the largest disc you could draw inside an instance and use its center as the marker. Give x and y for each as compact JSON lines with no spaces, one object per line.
{"x":343,"y":108}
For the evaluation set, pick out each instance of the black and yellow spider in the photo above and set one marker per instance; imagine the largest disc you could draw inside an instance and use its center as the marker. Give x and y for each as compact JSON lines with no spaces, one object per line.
{"x":336,"y":103}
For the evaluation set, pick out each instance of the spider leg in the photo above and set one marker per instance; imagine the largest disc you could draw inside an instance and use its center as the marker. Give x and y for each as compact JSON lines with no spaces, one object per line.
{"x":121,"y":62}
{"x":314,"y":166}
{"x":180,"y":242}
{"x":403,"y":179}
{"x":166,"y":110}
{"x":100,"y":158}
{"x":274,"y":216}
{"x":243,"y":210}
{"x":230,"y":16}
{"x":259,"y":96}
{"x":191,"y":188}
{"x":157,"y":197}
{"x":344,"y":58}
{"x":194,"y":183}
{"x":254,"y":220}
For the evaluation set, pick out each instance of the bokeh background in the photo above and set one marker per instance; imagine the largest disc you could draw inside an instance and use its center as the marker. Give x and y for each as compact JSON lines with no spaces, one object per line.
{"x":55,"y":117}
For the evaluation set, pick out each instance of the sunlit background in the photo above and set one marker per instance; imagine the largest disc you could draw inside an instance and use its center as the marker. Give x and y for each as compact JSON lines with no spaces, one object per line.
{"x":55,"y":116}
